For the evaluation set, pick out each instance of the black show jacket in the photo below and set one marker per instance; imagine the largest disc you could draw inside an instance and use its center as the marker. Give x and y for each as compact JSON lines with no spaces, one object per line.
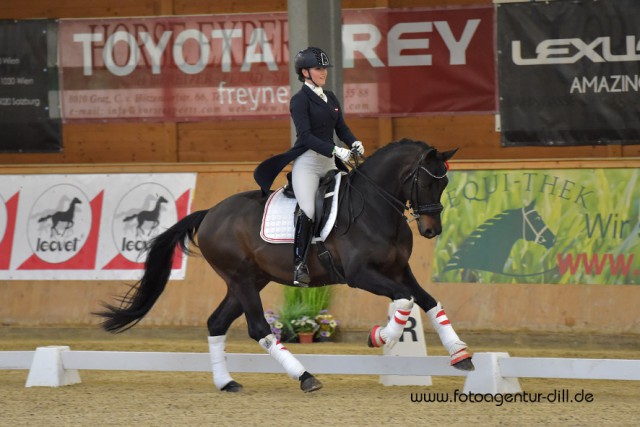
{"x":315,"y":122}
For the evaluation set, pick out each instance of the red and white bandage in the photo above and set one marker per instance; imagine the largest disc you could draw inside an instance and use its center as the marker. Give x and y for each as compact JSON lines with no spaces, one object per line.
{"x":279,"y":352}
{"x":390,"y":334}
{"x":457,"y":349}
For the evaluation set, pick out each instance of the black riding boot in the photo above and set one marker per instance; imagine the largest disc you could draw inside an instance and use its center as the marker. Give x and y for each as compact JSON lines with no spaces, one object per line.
{"x":303,"y":234}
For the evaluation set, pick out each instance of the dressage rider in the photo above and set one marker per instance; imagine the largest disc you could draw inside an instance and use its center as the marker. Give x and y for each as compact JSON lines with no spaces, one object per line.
{"x":316,"y":115}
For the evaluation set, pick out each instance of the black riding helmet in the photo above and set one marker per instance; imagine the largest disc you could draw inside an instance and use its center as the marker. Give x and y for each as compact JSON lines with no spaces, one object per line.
{"x":310,"y":57}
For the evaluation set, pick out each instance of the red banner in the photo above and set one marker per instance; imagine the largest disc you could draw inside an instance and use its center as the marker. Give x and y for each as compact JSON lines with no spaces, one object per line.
{"x":396,"y":62}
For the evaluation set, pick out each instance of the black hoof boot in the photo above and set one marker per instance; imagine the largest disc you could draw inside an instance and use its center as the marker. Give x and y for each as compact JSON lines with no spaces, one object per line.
{"x":465,"y":365}
{"x":232,"y":387}
{"x":309,"y":383}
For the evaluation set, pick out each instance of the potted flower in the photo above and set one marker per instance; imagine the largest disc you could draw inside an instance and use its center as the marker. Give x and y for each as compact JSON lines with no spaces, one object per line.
{"x":273,"y":319}
{"x":326,"y":326}
{"x":305,"y":327}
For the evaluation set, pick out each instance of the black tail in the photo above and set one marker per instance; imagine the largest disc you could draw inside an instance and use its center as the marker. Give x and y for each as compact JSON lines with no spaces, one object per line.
{"x":137,"y":302}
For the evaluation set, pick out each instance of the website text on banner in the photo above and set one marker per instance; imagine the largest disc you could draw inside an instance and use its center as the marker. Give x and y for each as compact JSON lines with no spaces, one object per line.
{"x":232,"y":66}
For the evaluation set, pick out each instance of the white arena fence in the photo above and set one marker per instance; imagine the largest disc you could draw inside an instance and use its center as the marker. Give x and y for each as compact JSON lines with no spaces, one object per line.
{"x":495,"y":372}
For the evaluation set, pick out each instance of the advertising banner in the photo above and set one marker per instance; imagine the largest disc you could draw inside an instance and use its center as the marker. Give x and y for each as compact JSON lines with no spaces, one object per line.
{"x":206,"y":67}
{"x":568,"y":226}
{"x":29,"y":105}
{"x":87,"y":227}
{"x":569,"y":72}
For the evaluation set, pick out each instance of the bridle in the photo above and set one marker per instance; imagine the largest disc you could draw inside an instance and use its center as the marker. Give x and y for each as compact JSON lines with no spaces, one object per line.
{"x":398,"y":205}
{"x":414,"y":203}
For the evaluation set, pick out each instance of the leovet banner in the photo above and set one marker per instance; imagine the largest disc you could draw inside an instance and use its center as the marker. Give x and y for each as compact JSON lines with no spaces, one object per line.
{"x":566,"y":226}
{"x":569,"y":72}
{"x":87,"y":227}
{"x":396,"y":62}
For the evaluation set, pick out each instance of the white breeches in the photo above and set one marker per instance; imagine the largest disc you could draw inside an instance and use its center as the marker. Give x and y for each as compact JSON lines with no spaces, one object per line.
{"x":307,"y":171}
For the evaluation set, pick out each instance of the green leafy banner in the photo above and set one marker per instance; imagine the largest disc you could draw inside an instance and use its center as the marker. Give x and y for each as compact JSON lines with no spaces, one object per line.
{"x":570,"y":226}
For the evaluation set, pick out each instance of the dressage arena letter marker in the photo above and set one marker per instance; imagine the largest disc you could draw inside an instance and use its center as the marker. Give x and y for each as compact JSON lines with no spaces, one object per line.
{"x":411,"y":343}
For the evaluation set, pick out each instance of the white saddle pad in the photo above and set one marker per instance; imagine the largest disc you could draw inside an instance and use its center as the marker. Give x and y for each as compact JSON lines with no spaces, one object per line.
{"x":278,"y":218}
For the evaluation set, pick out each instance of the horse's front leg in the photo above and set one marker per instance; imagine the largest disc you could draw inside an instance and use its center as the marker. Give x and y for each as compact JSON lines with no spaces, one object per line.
{"x":404,"y":290}
{"x":373,"y":281}
{"x":457,"y":349}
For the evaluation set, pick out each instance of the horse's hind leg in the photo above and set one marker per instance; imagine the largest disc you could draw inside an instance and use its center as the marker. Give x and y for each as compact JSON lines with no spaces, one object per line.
{"x":218,"y":324}
{"x":260,"y":331}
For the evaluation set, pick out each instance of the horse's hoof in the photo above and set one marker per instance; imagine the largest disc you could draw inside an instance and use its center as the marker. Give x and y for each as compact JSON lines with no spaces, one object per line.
{"x":369,"y":343}
{"x":464,"y":365}
{"x":232,"y":387}
{"x":310,"y":384}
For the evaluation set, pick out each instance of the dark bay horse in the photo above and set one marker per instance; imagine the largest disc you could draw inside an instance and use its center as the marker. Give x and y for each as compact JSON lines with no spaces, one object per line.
{"x":371,"y":244}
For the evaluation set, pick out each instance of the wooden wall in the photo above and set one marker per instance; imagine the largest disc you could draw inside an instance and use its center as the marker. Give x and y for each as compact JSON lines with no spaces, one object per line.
{"x":242,"y":140}
{"x":189,"y":302}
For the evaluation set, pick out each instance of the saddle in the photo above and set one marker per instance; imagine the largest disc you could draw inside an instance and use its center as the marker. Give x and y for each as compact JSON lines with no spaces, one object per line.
{"x":278,"y":218}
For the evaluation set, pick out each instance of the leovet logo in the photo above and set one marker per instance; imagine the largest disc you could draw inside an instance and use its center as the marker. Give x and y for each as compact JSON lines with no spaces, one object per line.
{"x":142,"y":214}
{"x":62,"y":229}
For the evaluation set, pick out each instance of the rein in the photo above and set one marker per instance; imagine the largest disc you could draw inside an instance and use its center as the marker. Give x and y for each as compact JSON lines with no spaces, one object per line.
{"x":399,"y":206}
{"x":391,"y":200}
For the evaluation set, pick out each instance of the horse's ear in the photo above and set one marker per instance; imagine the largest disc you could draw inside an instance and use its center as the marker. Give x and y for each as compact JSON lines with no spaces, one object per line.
{"x":531,"y":205}
{"x":446,"y":155}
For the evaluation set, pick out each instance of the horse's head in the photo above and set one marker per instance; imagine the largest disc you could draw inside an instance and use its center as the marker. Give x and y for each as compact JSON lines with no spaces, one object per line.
{"x":428,"y":181}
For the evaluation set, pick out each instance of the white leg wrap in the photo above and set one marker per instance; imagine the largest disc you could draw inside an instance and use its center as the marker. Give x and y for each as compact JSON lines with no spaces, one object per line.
{"x":448,"y":337}
{"x":221,"y":375}
{"x":391,"y":333}
{"x":283,"y":356}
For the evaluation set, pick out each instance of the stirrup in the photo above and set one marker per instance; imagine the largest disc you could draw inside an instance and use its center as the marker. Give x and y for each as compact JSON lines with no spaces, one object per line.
{"x":301,"y":275}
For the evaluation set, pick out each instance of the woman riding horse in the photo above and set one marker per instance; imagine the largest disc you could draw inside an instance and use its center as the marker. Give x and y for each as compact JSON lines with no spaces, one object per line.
{"x":316,"y":114}
{"x":371,"y":245}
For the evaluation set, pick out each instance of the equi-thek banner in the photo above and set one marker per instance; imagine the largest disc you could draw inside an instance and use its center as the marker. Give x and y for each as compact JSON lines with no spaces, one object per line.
{"x":567,"y":226}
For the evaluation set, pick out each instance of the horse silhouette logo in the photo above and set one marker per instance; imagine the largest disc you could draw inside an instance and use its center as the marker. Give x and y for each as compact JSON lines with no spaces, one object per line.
{"x":60,"y":222}
{"x":65,"y":217}
{"x":488,"y":247}
{"x":141,"y":214}
{"x":151,"y":216}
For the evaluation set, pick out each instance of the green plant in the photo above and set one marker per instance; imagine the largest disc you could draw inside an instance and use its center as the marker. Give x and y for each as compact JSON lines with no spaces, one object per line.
{"x":290,"y":312}
{"x":316,"y":299}
{"x":299,"y":303}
